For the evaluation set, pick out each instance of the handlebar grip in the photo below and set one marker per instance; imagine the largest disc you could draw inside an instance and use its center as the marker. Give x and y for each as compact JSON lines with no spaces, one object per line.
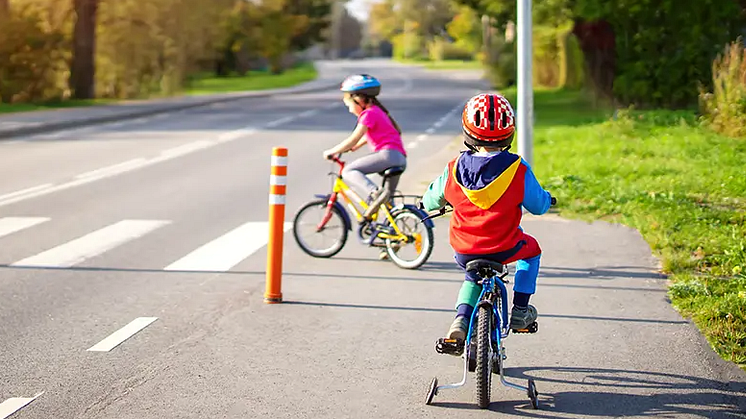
{"x":554,"y":201}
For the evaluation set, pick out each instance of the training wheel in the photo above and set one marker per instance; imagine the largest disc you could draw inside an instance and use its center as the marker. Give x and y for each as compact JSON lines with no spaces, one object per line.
{"x":533,"y":394}
{"x":432,"y":391}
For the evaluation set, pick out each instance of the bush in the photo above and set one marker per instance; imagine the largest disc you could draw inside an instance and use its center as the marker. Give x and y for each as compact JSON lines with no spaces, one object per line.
{"x":546,"y":69}
{"x":439,"y":49}
{"x":571,"y":72}
{"x":408,"y":46}
{"x":725,"y":108}
{"x":32,"y":60}
{"x":663,"y":48}
{"x":502,"y":72}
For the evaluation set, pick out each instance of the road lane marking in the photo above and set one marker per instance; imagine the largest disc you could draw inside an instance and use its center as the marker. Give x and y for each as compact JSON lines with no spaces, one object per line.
{"x":280,"y":121}
{"x":14,"y":404}
{"x":126,"y":332}
{"x":227,"y":250}
{"x":234,"y":135}
{"x":113,"y":169}
{"x":25,"y":191}
{"x":187,"y":148}
{"x":91,"y":244}
{"x":10,"y":225}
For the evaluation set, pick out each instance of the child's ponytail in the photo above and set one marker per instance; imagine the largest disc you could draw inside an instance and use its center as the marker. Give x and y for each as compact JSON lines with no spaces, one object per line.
{"x":383,"y":108}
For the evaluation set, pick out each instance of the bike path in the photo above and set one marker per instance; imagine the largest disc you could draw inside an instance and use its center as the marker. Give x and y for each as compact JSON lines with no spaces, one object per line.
{"x":355,"y":337}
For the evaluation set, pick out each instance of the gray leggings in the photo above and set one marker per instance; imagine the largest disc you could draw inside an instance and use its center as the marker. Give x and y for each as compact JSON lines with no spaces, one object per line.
{"x":354,"y":172}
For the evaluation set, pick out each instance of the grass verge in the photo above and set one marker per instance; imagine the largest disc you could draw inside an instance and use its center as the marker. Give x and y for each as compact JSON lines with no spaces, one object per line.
{"x":255,"y":80}
{"x":446,"y":64}
{"x":681,"y":185}
{"x":201,"y":85}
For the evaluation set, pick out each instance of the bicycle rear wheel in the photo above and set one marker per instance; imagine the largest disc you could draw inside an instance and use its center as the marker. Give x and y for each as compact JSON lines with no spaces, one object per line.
{"x":308,"y":235}
{"x":484,"y":365}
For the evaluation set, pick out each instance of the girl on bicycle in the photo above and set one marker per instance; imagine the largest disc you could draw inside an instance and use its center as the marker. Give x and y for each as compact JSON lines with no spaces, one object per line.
{"x":377,"y":127}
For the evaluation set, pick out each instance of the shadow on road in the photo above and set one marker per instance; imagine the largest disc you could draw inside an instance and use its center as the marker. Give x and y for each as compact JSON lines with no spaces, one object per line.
{"x":610,"y":394}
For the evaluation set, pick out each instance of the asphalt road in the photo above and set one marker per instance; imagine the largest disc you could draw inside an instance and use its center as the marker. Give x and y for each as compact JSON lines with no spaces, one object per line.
{"x":132,"y":261}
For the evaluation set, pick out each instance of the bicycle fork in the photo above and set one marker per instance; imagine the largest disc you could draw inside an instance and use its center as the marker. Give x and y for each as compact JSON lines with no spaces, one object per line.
{"x":328,"y":214}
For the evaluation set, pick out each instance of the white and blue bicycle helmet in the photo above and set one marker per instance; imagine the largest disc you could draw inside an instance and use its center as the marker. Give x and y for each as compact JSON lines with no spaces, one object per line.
{"x":362,"y":84}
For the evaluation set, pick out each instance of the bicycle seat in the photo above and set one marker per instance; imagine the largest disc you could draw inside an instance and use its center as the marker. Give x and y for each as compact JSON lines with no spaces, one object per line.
{"x":484,"y":267}
{"x":392,"y":171}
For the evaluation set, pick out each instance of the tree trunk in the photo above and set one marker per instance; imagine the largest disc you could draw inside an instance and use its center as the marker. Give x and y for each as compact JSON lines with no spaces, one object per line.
{"x":599,"y":52}
{"x":4,"y":8}
{"x":83,"y":69}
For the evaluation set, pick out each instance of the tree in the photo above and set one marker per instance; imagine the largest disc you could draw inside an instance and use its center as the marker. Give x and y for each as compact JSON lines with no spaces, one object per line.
{"x":466,"y":30}
{"x":318,"y":13}
{"x":83,"y":68}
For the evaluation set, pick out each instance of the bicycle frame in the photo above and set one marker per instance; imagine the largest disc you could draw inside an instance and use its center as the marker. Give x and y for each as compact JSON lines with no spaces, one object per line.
{"x":487,"y":297}
{"x":340,"y":188}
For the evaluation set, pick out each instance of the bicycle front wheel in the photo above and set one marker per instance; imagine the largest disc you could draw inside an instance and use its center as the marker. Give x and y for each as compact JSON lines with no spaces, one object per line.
{"x":411,"y":254}
{"x":484,"y":364}
{"x":314,"y":235}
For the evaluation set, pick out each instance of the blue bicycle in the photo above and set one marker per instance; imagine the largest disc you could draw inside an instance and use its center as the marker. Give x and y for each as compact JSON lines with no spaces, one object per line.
{"x":488,"y":329}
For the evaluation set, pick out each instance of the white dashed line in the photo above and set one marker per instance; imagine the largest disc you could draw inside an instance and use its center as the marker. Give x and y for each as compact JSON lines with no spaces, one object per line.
{"x":307,"y":114}
{"x":116,"y":168}
{"x":12,"y":405}
{"x":116,"y":338}
{"x":30,"y":190}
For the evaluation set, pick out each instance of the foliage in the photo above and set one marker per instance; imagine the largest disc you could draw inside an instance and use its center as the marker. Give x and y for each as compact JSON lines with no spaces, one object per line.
{"x":725,"y":107}
{"x":440,"y":49}
{"x":571,"y":71}
{"x":32,"y":57}
{"x":465,"y":28}
{"x":150,"y":47}
{"x":502,"y":72}
{"x":665,"y":48}
{"x":410,"y":24}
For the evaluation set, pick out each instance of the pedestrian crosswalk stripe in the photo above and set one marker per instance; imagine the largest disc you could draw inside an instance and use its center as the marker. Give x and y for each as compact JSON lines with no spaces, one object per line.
{"x":10,"y":225}
{"x":92,"y":244}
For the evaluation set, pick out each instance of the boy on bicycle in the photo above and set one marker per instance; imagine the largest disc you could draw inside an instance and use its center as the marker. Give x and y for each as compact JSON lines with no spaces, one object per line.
{"x":487,"y":186}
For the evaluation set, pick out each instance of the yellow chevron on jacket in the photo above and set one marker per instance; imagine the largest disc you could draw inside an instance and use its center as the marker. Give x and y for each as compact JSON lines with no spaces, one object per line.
{"x":486,"y":197}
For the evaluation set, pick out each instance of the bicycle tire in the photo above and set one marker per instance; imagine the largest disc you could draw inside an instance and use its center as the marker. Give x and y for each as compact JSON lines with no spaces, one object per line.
{"x":324,"y":253}
{"x":484,"y":366}
{"x":428,"y":238}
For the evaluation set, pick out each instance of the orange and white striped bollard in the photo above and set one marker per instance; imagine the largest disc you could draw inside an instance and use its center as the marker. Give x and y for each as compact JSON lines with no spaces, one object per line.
{"x":277,"y":190}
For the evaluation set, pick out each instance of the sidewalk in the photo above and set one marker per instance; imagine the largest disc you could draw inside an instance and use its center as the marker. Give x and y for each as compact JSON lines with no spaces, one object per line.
{"x":34,"y":122}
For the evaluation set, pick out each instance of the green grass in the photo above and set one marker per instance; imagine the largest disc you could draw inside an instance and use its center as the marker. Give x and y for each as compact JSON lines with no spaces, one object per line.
{"x":446,"y":64}
{"x":201,"y":85}
{"x":682,"y":186}
{"x":255,"y":80}
{"x":24,"y":107}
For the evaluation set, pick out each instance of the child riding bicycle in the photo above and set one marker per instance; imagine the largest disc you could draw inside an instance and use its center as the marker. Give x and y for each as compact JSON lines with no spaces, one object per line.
{"x":487,"y":186}
{"x":377,"y":127}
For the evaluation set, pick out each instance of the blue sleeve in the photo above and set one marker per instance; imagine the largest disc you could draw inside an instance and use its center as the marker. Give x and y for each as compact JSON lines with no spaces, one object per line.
{"x":535,"y":199}
{"x":434,"y":197}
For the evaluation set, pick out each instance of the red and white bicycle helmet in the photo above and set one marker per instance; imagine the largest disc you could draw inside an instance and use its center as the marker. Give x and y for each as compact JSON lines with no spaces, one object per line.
{"x":488,"y":120}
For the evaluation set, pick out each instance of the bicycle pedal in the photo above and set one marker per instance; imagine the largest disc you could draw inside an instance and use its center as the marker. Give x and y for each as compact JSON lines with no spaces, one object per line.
{"x":450,"y":346}
{"x":532,"y":328}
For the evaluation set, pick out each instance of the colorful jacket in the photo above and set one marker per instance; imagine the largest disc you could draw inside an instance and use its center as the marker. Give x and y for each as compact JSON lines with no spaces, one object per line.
{"x":487,"y":191}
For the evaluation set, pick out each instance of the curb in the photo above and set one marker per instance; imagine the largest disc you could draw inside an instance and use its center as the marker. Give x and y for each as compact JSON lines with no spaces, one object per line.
{"x":77,"y":123}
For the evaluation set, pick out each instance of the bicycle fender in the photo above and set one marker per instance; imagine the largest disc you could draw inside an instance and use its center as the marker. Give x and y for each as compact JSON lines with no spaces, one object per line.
{"x":429,"y":223}
{"x":345,"y":215}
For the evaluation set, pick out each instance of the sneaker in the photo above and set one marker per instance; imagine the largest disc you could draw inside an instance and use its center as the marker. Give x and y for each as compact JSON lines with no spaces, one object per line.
{"x":458,"y":328}
{"x":523,"y":318}
{"x":379,"y":197}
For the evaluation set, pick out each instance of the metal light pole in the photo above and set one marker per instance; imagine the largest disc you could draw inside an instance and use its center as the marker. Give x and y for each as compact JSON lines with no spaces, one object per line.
{"x":525,"y":117}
